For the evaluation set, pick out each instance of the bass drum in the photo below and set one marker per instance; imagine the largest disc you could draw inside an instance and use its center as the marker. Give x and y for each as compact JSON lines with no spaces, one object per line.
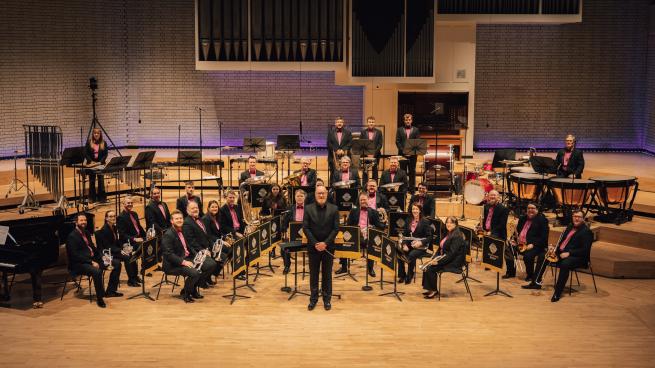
{"x":475,"y":191}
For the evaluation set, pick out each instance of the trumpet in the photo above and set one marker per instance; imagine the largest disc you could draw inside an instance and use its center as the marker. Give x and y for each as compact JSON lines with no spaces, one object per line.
{"x":217,"y":248}
{"x":107,"y":259}
{"x":432,"y":261}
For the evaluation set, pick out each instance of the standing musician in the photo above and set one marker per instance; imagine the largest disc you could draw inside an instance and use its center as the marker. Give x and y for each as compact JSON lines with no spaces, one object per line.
{"x":407,"y":131}
{"x":231,"y":216}
{"x":570,"y":159}
{"x":251,"y":172}
{"x":214,"y":230}
{"x":345,"y":173}
{"x":394,"y":175}
{"x":320,"y":225}
{"x":417,"y":227}
{"x":339,"y":141}
{"x":453,"y":249}
{"x":572,"y":251}
{"x":197,"y":237}
{"x":188,"y":196}
{"x":85,"y":259}
{"x":178,"y":258}
{"x":363,"y":217}
{"x":532,"y":231}
{"x":376,"y":200}
{"x":274,"y":202}
{"x":373,"y":134}
{"x":307,"y":174}
{"x":424,"y":199}
{"x":157,"y":213}
{"x":95,"y":152}
{"x":130,"y":228}
{"x":107,"y":238}
{"x":296,"y":213}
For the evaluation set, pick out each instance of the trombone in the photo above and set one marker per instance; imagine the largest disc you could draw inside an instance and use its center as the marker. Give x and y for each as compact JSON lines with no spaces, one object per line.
{"x":551,"y":255}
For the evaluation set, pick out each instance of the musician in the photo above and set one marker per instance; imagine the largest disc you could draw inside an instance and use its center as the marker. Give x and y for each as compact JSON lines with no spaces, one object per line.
{"x":371,"y":133}
{"x":320,"y":225}
{"x":376,"y":200}
{"x":86,"y":259}
{"x":251,"y":172}
{"x":339,"y":141}
{"x":231,"y":216}
{"x":570,"y":159}
{"x":296,"y":213}
{"x":178,"y":258}
{"x":345,"y":173}
{"x":95,"y":152}
{"x":394,"y":175}
{"x":157,"y":213}
{"x":407,"y":131}
{"x":572,"y":251}
{"x":307,"y":174}
{"x":107,"y":238}
{"x":453,"y":249}
{"x":128,"y":223}
{"x":274,"y":201}
{"x":197,"y":237}
{"x":416,"y":227}
{"x":424,"y":199}
{"x":310,"y":197}
{"x":211,"y":220}
{"x":532,"y":230}
{"x":363,"y":217}
{"x":188,"y":196}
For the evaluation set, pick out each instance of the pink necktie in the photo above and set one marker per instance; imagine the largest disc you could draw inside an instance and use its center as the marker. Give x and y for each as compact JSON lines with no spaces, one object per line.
{"x":235,"y":220}
{"x":202,"y":226}
{"x":86,"y":240}
{"x":490,"y":214}
{"x":163,"y":212}
{"x":181,"y":236}
{"x":566,"y":241}
{"x":524,"y":232}
{"x":134,"y":222}
{"x":300,"y":212}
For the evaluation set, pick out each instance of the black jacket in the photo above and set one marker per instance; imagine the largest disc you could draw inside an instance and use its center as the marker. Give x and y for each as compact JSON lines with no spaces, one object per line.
{"x":576,"y":163}
{"x":126,"y":229}
{"x":498,"y":221}
{"x":183,"y":202}
{"x":78,"y":251}
{"x":321,"y":224}
{"x":377,"y":138}
{"x":400,"y":177}
{"x":401,"y":137}
{"x":195,"y":236}
{"x":155,"y":217}
{"x":311,"y":177}
{"x":580,"y":244}
{"x":102,"y":154}
{"x":225,"y":219}
{"x":373,"y":218}
{"x":289,"y":216}
{"x":381,"y":201}
{"x":106,"y":238}
{"x":268,"y":204}
{"x":214,"y":229}
{"x":353,"y":175}
{"x":423,"y":230}
{"x":428,"y":204}
{"x":455,"y":250}
{"x":538,"y":233}
{"x":333,"y":142}
{"x":173,"y":250}
{"x":246,"y":174}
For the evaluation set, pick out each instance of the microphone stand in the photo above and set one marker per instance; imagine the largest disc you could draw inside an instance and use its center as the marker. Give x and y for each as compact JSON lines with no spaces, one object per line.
{"x":366,"y":287}
{"x":179,"y":172}
{"x":220,"y":158}
{"x":202,"y":182}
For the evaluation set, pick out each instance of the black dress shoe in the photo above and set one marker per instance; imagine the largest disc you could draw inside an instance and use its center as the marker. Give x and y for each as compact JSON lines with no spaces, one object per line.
{"x":554,"y":299}
{"x":528,"y":278}
{"x":285,"y":271}
{"x":401,"y":279}
{"x":101,"y":303}
{"x":133,"y":284}
{"x":113,"y":294}
{"x":327,"y":306}
{"x":427,"y":292}
{"x":311,"y":306}
{"x":371,"y":272}
{"x":211,"y":282}
{"x":431,"y":295}
{"x":188,"y":299}
{"x":197,"y":295}
{"x":531,"y":286}
{"x":408,"y":280}
{"x":340,"y":271}
{"x":203,"y":285}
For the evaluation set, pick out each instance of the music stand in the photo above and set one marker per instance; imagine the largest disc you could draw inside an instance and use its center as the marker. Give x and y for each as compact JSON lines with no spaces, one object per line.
{"x":72,"y":156}
{"x":288,"y":143}
{"x":148,"y":255}
{"x":543,"y":165}
{"x":415,"y":147}
{"x":188,"y":158}
{"x":493,"y":257}
{"x":502,"y":155}
{"x":388,"y":260}
{"x":363,"y":147}
{"x":143,"y":161}
{"x":254,"y":144}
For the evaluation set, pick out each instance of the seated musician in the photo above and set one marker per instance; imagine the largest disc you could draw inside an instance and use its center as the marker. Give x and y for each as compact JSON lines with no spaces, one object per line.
{"x":294,"y":213}
{"x":188,"y":196}
{"x":95,"y":152}
{"x":424,"y":199}
{"x":494,"y":223}
{"x":307,"y":174}
{"x":376,"y":200}
{"x":231,"y":216}
{"x":86,"y":259}
{"x":394,"y":175}
{"x":453,"y":249}
{"x":570,"y":159}
{"x":363,"y":217}
{"x":346,"y":173}
{"x":214,"y":230}
{"x":416,"y":227}
{"x":572,"y":251}
{"x":251,"y":172}
{"x":129,"y":227}
{"x":108,"y":238}
{"x":178,"y":258}
{"x":197,"y":237}
{"x":532,"y":231}
{"x":371,"y":133}
{"x":339,"y":142}
{"x":157,"y":213}
{"x":274,"y":202}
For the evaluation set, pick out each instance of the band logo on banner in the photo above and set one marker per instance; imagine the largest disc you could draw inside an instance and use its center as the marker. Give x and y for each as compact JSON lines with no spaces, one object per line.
{"x":347,"y":242}
{"x":258,"y":193}
{"x":346,"y":198}
{"x":254,"y":251}
{"x":374,"y":246}
{"x":396,"y":200}
{"x":238,"y":256}
{"x":276,"y":230}
{"x":265,"y":243}
{"x":492,"y":253}
{"x":397,"y":222}
{"x":468,"y":234}
{"x":149,"y":255}
{"x":388,"y":259}
{"x":296,"y":233}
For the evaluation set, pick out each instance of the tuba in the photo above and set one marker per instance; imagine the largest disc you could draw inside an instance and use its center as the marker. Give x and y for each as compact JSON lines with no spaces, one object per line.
{"x":247,"y":211}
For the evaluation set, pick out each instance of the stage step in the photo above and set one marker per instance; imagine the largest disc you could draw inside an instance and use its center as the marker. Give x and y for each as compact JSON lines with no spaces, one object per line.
{"x":620,"y":261}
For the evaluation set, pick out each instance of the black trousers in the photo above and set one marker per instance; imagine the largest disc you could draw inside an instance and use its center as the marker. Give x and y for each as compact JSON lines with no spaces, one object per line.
{"x":286,"y":258}
{"x":509,"y":259}
{"x":96,"y":274}
{"x":430,"y":277}
{"x":131,"y":268}
{"x":344,"y":263}
{"x":565,"y":266}
{"x":100,"y":194}
{"x":320,"y":262}
{"x":410,"y":167}
{"x":192,"y":277}
{"x":412,"y":256}
{"x":534,"y":259}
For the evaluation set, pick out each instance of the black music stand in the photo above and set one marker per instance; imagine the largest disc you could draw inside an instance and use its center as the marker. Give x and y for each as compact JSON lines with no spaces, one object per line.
{"x":494,"y":259}
{"x":348,"y":260}
{"x":389,"y":258}
{"x":363,"y":147}
{"x":543,"y":165}
{"x":415,"y":147}
{"x":148,"y":255}
{"x":254,"y":144}
{"x":502,"y":155}
{"x":70,"y":157}
{"x":188,"y":158}
{"x":143,"y":161}
{"x":287,"y":142}
{"x":115,"y":165}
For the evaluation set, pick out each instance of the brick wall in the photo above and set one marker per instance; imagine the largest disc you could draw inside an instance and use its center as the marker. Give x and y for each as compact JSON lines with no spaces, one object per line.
{"x":649,"y":127}
{"x":545,"y":81}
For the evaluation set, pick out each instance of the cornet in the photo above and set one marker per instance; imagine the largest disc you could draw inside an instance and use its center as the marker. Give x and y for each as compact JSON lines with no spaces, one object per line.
{"x":199,"y":259}
{"x":217,"y":248}
{"x":151,"y":233}
{"x":127,"y":249}
{"x":107,"y":259}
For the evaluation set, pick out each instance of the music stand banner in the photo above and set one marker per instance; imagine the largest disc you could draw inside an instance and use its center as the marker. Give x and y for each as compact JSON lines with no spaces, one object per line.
{"x":345,"y":198}
{"x":276,"y":230}
{"x":347,"y":242}
{"x":258,"y":193}
{"x":296,"y":233}
{"x":265,"y":243}
{"x":254,"y":250}
{"x":396,"y":200}
{"x":435,"y":224}
{"x":468,"y":234}
{"x":374,"y":246}
{"x":397,"y":222}
{"x":238,"y":256}
{"x":149,"y":255}
{"x":388,"y":259}
{"x":493,"y":250}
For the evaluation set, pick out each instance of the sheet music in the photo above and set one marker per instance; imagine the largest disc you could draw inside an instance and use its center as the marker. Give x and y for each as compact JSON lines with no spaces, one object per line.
{"x":4,"y":231}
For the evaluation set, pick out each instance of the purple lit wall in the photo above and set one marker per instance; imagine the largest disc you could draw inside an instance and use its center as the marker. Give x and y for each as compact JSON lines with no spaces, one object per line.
{"x":649,"y":127}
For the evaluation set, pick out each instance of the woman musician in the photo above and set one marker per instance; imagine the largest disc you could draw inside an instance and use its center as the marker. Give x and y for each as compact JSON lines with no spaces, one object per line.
{"x":273,"y":202}
{"x":212,"y":223}
{"x":452,"y":248}
{"x":95,"y":153}
{"x":417,"y":227}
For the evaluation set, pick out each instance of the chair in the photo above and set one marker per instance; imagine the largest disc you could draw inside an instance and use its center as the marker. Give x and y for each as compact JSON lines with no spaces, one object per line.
{"x":464,"y":278}
{"x":164,"y":275}
{"x":588,"y":266}
{"x":71,"y":276}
